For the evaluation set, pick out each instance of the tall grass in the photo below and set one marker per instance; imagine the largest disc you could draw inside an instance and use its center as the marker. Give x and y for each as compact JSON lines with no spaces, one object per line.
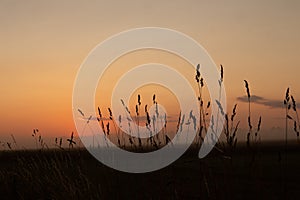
{"x":230,"y":129}
{"x":64,"y":175}
{"x":296,"y":122}
{"x":71,"y":140}
{"x":249,"y":113}
{"x":287,"y":104}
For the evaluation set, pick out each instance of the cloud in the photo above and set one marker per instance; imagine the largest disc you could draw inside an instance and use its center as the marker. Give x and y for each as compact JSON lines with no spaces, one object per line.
{"x":254,"y":98}
{"x":262,"y":101}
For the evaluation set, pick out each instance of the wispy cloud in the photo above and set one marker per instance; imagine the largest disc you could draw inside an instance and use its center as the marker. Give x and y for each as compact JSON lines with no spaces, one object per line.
{"x":262,"y":101}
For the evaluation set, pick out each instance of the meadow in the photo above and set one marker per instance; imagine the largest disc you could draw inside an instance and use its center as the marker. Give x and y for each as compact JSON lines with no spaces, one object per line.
{"x":251,"y":169}
{"x":75,"y":174}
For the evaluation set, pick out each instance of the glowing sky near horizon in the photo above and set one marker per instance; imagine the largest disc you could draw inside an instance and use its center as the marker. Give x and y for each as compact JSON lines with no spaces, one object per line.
{"x":43,"y":44}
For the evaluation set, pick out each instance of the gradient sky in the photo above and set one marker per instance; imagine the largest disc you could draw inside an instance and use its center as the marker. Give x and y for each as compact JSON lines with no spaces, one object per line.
{"x":43,"y":44}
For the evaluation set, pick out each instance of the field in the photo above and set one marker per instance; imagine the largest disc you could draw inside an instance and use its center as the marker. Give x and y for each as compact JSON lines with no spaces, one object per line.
{"x":267,"y":171}
{"x":252,"y":169}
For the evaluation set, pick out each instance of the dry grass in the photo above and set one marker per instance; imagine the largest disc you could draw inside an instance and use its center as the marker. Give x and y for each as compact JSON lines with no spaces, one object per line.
{"x":74,"y":174}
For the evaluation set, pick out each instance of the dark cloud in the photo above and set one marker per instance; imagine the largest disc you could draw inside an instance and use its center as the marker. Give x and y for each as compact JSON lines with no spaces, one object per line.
{"x":262,"y":101}
{"x":254,"y":98}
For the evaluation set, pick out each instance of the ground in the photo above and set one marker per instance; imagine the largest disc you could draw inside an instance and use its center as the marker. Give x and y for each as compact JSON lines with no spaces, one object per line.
{"x":265,"y":171}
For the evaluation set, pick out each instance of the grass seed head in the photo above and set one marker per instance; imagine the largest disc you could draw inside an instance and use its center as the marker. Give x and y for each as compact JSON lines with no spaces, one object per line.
{"x":294,"y":103}
{"x":247,"y":89}
{"x":139,"y":99}
{"x":110,"y":113}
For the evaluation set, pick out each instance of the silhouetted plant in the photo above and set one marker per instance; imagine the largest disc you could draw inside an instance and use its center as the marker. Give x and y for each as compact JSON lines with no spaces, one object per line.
{"x":296,"y":123}
{"x":230,"y":129}
{"x":249,"y":113}
{"x":287,"y":105}
{"x":249,"y":134}
{"x":71,"y":140}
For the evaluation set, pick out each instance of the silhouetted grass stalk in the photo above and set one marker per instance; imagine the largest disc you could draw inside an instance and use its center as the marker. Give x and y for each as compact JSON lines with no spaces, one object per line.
{"x":219,"y":98}
{"x":249,"y":134}
{"x":296,"y":126}
{"x":200,"y":85}
{"x":287,"y":104}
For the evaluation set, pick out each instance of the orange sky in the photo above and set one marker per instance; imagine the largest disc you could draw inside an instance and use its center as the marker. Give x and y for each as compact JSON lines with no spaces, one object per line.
{"x":43,"y":44}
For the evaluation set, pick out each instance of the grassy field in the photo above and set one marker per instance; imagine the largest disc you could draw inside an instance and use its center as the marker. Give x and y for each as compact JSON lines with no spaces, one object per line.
{"x":253,"y":170}
{"x":263,"y":172}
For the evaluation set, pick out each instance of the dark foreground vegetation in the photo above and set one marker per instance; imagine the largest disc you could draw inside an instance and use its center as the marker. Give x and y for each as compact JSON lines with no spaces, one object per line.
{"x":264,"y":172}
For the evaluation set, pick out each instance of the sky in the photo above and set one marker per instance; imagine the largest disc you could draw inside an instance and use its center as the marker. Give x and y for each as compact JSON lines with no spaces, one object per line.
{"x":43,"y":44}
